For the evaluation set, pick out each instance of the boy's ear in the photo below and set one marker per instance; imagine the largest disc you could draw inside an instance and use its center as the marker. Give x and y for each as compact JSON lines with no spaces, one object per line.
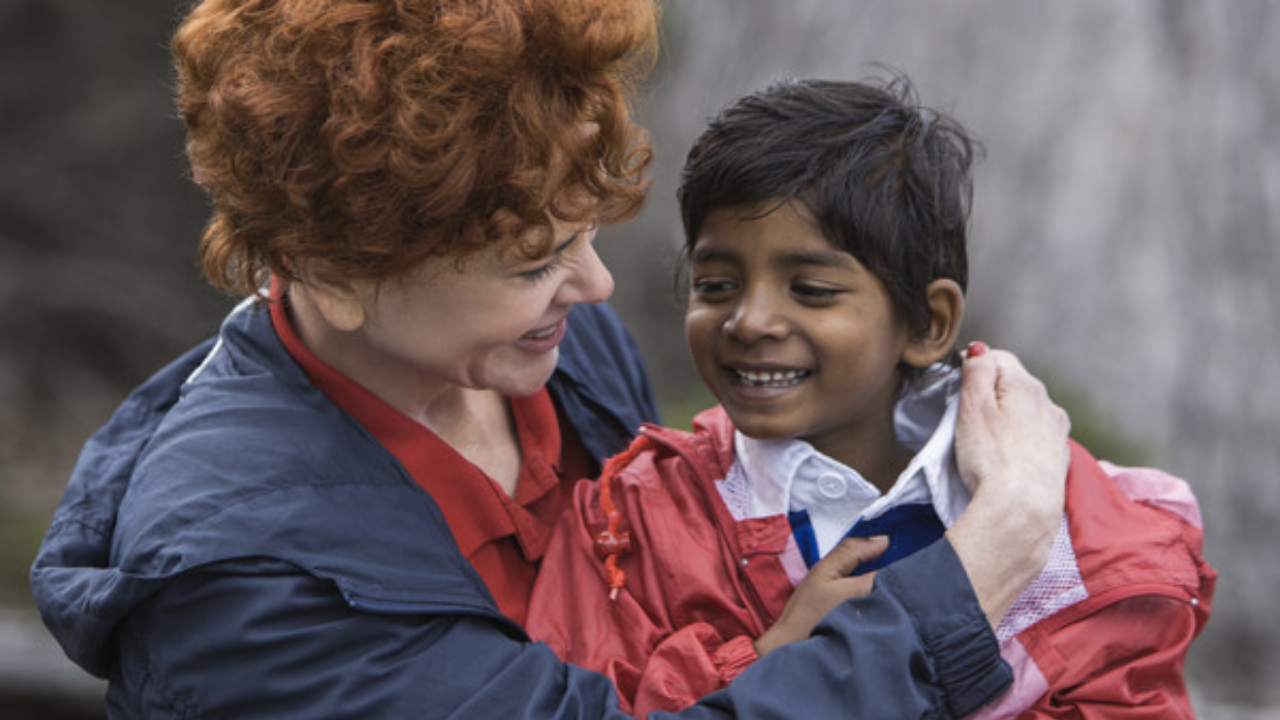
{"x":935,"y":340}
{"x":339,"y":302}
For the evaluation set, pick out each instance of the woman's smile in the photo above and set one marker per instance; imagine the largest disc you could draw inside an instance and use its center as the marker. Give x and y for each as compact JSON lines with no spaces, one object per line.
{"x":543,"y":339}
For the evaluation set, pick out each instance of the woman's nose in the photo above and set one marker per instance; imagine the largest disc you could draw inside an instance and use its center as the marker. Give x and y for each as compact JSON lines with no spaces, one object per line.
{"x":590,"y":281}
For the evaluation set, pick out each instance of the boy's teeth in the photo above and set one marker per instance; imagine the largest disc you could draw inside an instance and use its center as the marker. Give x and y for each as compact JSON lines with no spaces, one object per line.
{"x":783,"y":378}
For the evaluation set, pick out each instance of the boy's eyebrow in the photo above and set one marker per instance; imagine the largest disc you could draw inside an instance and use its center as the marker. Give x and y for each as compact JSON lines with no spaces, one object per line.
{"x":821,"y":258}
{"x":702,"y":253}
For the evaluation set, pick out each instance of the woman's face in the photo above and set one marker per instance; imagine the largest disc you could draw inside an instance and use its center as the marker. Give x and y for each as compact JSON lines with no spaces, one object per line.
{"x":494,"y":322}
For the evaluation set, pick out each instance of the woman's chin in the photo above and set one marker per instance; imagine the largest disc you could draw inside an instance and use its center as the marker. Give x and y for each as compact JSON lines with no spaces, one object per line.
{"x":528,"y":376}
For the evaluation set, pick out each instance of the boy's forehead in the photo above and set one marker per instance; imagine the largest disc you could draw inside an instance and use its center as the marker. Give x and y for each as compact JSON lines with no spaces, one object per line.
{"x":759,"y":209}
{"x":733,"y":239}
{"x":819,"y":257}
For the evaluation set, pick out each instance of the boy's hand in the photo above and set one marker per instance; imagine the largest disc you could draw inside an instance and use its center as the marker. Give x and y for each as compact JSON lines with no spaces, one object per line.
{"x":827,"y":585}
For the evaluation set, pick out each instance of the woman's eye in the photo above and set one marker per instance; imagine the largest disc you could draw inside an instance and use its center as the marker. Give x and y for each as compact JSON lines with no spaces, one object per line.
{"x":543,"y":270}
{"x":587,"y":234}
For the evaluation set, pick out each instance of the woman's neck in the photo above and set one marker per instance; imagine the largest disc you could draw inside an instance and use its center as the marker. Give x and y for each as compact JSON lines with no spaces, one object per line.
{"x":476,"y":423}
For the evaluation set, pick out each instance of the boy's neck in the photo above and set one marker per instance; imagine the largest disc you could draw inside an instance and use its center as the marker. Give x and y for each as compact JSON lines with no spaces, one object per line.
{"x":876,"y":454}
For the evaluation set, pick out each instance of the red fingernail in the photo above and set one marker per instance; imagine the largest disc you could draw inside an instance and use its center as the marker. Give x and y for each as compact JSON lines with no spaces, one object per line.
{"x":977,"y":348}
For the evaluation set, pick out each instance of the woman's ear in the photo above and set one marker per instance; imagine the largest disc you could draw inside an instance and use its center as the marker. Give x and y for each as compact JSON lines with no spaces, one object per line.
{"x":938,"y":337}
{"x":340,"y":303}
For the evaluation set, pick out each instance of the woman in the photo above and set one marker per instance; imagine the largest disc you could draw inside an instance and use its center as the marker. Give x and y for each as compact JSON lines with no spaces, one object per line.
{"x":337,"y":508}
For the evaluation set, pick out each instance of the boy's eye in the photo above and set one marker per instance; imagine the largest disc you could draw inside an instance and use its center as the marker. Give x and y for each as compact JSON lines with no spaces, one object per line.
{"x":711,"y":288}
{"x":814,"y":294}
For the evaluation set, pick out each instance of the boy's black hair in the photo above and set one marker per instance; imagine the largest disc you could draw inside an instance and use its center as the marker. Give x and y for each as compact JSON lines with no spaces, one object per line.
{"x":887,"y":180}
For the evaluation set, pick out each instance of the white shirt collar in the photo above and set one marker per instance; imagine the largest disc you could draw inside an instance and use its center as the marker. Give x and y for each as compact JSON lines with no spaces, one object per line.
{"x":785,"y":475}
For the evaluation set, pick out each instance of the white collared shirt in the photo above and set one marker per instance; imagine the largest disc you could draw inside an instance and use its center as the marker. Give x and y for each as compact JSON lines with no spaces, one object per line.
{"x":772,"y":477}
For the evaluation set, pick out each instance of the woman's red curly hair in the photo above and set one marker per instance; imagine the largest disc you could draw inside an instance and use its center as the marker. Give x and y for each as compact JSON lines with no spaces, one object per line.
{"x":372,"y":134}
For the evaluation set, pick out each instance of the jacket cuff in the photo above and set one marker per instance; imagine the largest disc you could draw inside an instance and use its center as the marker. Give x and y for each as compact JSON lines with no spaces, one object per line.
{"x":934,"y":590}
{"x":734,"y":656}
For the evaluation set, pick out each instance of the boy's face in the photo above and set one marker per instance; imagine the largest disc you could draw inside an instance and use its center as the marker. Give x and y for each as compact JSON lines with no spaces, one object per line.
{"x":793,"y":336}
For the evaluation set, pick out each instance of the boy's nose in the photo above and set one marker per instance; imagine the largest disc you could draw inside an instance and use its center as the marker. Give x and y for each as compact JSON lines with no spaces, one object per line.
{"x":754,"y":318}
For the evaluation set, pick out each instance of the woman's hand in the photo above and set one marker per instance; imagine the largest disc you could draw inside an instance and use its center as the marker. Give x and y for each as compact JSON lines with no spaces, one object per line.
{"x":827,"y":585}
{"x":1011,"y":447}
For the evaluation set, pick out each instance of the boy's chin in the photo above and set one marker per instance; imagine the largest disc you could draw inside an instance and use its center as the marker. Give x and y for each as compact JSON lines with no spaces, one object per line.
{"x":761,"y":428}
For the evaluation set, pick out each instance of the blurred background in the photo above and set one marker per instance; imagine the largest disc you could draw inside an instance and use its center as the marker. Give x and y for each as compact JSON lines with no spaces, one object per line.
{"x":1126,"y":244}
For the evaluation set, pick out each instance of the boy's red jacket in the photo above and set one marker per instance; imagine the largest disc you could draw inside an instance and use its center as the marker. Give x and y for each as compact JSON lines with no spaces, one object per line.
{"x":1101,"y":634}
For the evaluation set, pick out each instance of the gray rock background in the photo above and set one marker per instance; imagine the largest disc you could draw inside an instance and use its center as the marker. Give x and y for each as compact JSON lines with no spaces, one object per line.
{"x":1126,"y":244}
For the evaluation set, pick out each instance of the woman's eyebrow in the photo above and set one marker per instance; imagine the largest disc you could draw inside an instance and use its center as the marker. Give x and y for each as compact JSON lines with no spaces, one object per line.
{"x":564,"y":245}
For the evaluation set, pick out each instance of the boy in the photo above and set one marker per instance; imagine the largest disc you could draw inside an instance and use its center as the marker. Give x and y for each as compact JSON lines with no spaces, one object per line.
{"x":825,"y":232}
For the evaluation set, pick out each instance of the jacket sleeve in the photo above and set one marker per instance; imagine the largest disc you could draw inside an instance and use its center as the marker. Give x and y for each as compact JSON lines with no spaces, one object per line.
{"x":919,"y":646}
{"x":258,"y":639}
{"x":652,"y":638}
{"x":1122,"y":662}
{"x":657,"y":661}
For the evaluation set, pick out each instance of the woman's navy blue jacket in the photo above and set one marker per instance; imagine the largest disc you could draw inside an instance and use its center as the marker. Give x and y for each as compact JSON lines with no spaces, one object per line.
{"x":233,"y":545}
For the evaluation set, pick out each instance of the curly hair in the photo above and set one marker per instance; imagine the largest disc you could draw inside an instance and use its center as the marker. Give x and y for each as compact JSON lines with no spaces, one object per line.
{"x":373,"y":134}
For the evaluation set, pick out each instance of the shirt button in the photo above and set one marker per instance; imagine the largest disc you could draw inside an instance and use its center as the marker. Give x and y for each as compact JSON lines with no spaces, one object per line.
{"x":832,"y":487}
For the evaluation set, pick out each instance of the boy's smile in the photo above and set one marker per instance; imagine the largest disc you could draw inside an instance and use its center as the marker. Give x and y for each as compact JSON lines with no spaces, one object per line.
{"x":794,"y":336}
{"x":771,"y":378}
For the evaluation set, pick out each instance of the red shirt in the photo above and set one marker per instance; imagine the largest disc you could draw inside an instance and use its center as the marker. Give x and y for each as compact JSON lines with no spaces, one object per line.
{"x":504,"y":538}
